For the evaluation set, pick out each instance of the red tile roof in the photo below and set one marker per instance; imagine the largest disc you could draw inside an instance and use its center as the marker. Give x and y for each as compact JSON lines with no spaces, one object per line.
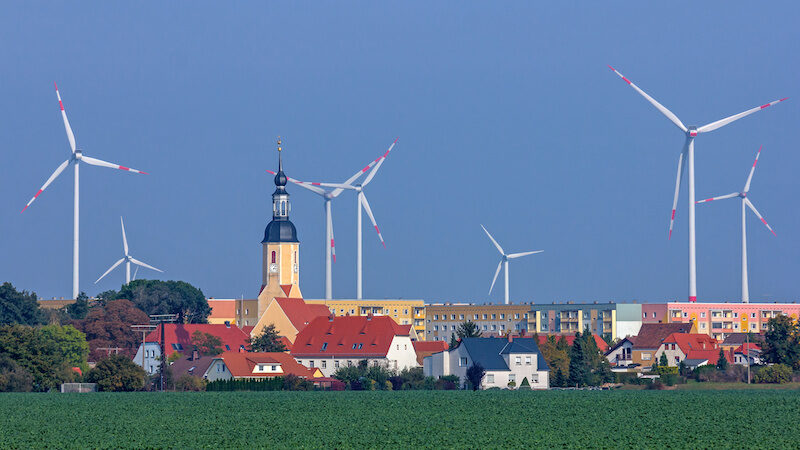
{"x":711,"y":355}
{"x":181,"y":334}
{"x":427,"y":348}
{"x":242,"y":364}
{"x":247,"y":329}
{"x":652,"y":334}
{"x":692,"y":342}
{"x":743,"y":348}
{"x":222,"y":309}
{"x":570,"y":338}
{"x":287,"y":288}
{"x":299,"y":312}
{"x":348,"y":336}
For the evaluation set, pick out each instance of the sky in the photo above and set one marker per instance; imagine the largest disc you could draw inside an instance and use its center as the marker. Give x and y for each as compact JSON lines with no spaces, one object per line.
{"x":507,"y":115}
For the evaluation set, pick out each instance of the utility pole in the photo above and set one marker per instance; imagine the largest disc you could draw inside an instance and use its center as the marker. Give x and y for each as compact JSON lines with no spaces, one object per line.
{"x":161,"y":319}
{"x":747,"y":344}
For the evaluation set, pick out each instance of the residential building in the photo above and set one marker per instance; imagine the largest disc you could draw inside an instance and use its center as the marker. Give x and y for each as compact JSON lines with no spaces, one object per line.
{"x":719,"y":320}
{"x":331,"y":342}
{"x":507,"y":362}
{"x":688,"y":346}
{"x":404,"y":312}
{"x":616,"y":320}
{"x":178,"y":339}
{"x":635,"y":352}
{"x":442,"y":319}
{"x":249,"y":365}
{"x":223,"y":310}
{"x":194,"y":365}
{"x":427,"y":348}
{"x":748,"y":354}
{"x":654,"y":313}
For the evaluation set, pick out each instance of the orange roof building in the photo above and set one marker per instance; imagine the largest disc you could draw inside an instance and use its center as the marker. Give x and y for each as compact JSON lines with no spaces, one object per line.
{"x":258,"y":365}
{"x":692,"y":349}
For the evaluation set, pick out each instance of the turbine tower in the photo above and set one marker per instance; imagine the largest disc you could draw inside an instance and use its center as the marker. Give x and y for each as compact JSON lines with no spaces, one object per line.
{"x":688,"y":154}
{"x":504,"y":262}
{"x":745,"y":202}
{"x":127,"y":259}
{"x":75,"y":159}
{"x":361,"y":201}
{"x":327,"y":196}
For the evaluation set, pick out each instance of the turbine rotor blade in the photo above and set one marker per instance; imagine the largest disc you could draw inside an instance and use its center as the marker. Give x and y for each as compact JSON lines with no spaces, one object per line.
{"x":137,"y":262}
{"x":496,"y":273}
{"x":721,"y":197}
{"x":101,"y":163}
{"x":722,"y":122}
{"x":677,"y":187}
{"x":110,"y":269}
{"x":499,"y":249}
{"x":750,"y":204}
{"x":124,"y":238}
{"x":380,"y":162}
{"x":753,"y":169}
{"x":355,"y":176}
{"x":669,"y":114}
{"x":365,"y":203}
{"x":519,"y":255}
{"x":310,"y":186}
{"x":55,"y":175}
{"x":70,"y":135}
{"x":337,"y":186}
{"x":135,"y":272}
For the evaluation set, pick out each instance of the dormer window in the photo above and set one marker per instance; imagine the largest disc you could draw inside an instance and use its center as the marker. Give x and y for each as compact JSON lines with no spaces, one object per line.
{"x":324,"y":346}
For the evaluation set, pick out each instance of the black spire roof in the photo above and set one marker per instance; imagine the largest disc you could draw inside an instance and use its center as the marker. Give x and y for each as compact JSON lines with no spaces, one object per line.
{"x":280,"y":229}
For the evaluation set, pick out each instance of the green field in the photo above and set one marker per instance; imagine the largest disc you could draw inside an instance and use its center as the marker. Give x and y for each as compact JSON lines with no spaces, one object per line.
{"x":433,"y":419}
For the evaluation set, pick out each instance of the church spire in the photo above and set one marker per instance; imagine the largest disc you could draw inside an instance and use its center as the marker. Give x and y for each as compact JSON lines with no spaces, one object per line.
{"x":280,"y":229}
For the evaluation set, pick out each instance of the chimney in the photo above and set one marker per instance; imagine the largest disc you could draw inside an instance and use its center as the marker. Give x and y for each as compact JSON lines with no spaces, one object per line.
{"x":330,"y":317}
{"x":195,"y":355}
{"x":369,"y":316}
{"x":510,"y":337}
{"x":227,"y":324}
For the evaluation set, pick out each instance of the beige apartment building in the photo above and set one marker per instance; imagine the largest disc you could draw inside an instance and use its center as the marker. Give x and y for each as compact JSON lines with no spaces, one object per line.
{"x":442,"y":319}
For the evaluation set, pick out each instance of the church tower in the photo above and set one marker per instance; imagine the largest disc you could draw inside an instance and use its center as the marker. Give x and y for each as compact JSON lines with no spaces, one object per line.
{"x":280,"y":270}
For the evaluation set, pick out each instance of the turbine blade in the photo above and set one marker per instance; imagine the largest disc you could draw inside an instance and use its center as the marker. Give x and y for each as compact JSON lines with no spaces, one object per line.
{"x":750,"y":204}
{"x":124,"y":238}
{"x":310,"y":186}
{"x":355,"y":176}
{"x":110,"y":269}
{"x":496,"y":273}
{"x":499,"y":249}
{"x":70,"y":135}
{"x":753,"y":169}
{"x":721,"y":123}
{"x":721,"y":197}
{"x":55,"y":175}
{"x":365,"y":203}
{"x":101,"y":163}
{"x":669,"y":114}
{"x":519,"y":255}
{"x":137,"y":262}
{"x":135,"y":272}
{"x":677,"y":188}
{"x":380,"y":162}
{"x":337,"y":186}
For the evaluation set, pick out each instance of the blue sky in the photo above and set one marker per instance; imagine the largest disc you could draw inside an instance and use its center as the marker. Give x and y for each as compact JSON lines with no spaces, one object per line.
{"x":507,"y":116}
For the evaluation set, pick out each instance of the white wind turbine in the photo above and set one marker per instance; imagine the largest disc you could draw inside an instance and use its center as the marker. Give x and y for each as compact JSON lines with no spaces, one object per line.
{"x":327,"y":196}
{"x":361,"y":199}
{"x":745,"y":202}
{"x":75,"y":159}
{"x":127,"y":259}
{"x":504,"y":262}
{"x":688,"y":153}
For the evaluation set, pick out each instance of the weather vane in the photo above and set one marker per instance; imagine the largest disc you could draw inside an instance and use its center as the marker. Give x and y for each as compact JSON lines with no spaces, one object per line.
{"x":279,"y":143}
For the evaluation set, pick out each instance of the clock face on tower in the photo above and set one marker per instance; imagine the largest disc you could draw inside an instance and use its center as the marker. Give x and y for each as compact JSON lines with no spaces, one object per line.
{"x":273,"y":267}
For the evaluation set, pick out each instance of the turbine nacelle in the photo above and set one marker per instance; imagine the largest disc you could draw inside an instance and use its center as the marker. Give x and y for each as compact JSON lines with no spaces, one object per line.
{"x":691,"y":131}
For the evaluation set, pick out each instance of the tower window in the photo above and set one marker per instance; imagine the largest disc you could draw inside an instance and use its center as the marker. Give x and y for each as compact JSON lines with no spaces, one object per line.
{"x":273,"y":257}
{"x":283,"y":208}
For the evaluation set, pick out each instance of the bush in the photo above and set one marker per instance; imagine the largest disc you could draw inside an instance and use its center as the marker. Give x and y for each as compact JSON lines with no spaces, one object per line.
{"x":292,"y":382}
{"x":14,"y":378}
{"x":190,"y":383}
{"x":778,"y":373}
{"x":268,"y":384}
{"x":117,"y":373}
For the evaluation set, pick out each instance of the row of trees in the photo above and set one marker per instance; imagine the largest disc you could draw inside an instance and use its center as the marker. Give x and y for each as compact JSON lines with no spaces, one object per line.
{"x":365,"y":377}
{"x":577,"y":365}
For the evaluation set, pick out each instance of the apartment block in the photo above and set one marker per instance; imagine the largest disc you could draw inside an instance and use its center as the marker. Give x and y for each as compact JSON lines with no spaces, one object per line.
{"x":442,"y":319}
{"x":404,"y":312}
{"x":605,"y":319}
{"x":719,"y":320}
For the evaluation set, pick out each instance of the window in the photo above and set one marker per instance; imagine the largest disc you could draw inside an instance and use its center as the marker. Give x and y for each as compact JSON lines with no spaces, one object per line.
{"x":494,"y":316}
{"x":476,"y":317}
{"x":398,"y":346}
{"x":273,"y":257}
{"x":453,"y":327}
{"x":654,"y":315}
{"x":452,"y":317}
{"x":405,"y":311}
{"x":484,"y":327}
{"x":489,"y":378}
{"x":646,"y":356}
{"x":516,"y":316}
{"x":462,"y":362}
{"x":336,"y":364}
{"x":502,"y":327}
{"x":535,"y":379}
{"x":527,"y":360}
{"x":736,"y":315}
{"x":274,"y":368}
{"x":512,"y":377}
{"x":518,"y":360}
{"x":354,"y":346}
{"x":260,"y":367}
{"x":177,"y":347}
{"x":324,"y":346}
{"x":685,"y":314}
{"x":435,"y":317}
{"x":485,"y":316}
{"x":436,"y":328}
{"x":752,"y":315}
{"x":311,"y":364}
{"x":227,"y":347}
{"x":702,"y":315}
{"x":494,"y":327}
{"x":752,"y":326}
{"x":246,"y":311}
{"x":502,"y":316}
{"x":526,"y":315}
{"x":360,"y":345}
{"x":461,"y":317}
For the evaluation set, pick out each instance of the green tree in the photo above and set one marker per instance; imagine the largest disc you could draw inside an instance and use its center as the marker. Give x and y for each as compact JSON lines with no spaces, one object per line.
{"x":48,"y":354}
{"x":778,"y":373}
{"x":109,"y":325}
{"x":468,"y":329}
{"x":663,"y":361}
{"x":267,"y":341}
{"x":117,"y":373}
{"x":722,"y":361}
{"x":14,"y":378}
{"x":206,"y":343}
{"x":525,"y":384}
{"x":453,"y":342}
{"x":19,"y":307}
{"x":189,"y":383}
{"x":167,"y":297}
{"x":68,"y":343}
{"x":559,"y":380}
{"x":79,"y":309}
{"x":475,"y":374}
{"x":578,"y":372}
{"x":782,"y":342}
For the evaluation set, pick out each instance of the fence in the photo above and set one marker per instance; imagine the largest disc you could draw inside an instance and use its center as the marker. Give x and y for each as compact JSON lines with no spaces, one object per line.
{"x":79,"y":387}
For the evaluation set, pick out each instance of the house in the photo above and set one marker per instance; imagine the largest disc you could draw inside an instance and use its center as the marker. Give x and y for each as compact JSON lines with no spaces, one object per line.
{"x":682,"y":346}
{"x":427,"y":348}
{"x":747,"y":352}
{"x":194,"y":365}
{"x":178,"y":339}
{"x":251,"y":365}
{"x":332,"y":341}
{"x":505,"y":360}
{"x":635,"y":352}
{"x":289,"y":315}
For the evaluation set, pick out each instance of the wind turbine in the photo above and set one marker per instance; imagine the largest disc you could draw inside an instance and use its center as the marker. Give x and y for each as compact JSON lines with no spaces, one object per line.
{"x":745,"y":202}
{"x":328,"y":195}
{"x":75,"y":159}
{"x":127,"y":259}
{"x":504,"y":262}
{"x":361,"y":201}
{"x":688,"y":153}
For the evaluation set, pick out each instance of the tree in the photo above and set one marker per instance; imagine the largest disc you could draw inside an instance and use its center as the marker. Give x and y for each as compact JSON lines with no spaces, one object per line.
{"x":468,"y":330}
{"x":525,"y":384}
{"x":109,"y":325}
{"x":19,"y":307}
{"x":722,"y":361}
{"x":68,"y":343}
{"x":167,"y":297}
{"x":475,"y":374}
{"x":48,"y":354}
{"x":267,"y":341}
{"x":14,"y":378}
{"x":782,"y":342}
{"x":559,"y":380}
{"x":778,"y":373}
{"x":577,"y":362}
{"x":206,"y":343}
{"x":117,"y":373}
{"x":663,"y":361}
{"x":79,"y":309}
{"x":453,"y":342}
{"x":189,"y":383}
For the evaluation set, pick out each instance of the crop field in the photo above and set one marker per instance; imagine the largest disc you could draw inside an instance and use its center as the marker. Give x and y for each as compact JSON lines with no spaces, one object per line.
{"x":428,"y":419}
